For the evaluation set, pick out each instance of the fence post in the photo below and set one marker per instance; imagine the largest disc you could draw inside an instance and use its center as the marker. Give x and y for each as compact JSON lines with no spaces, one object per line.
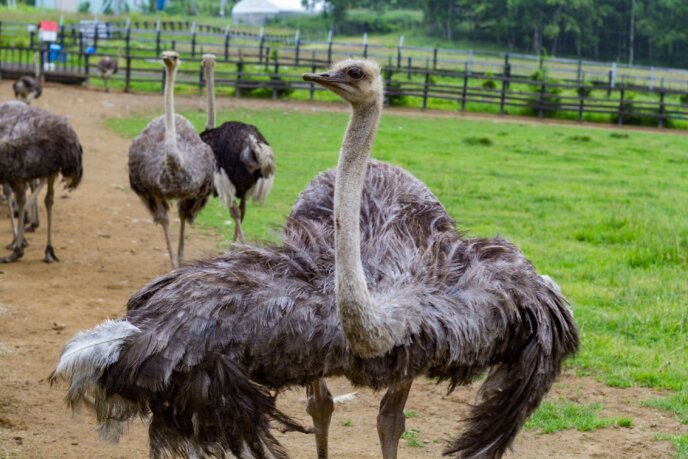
{"x":95,"y":37}
{"x":581,"y":100}
{"x":260,"y":45}
{"x":297,"y":42}
{"x":662,"y":108}
{"x":41,"y":64}
{"x":267,"y":58}
{"x":541,"y":101}
{"x":31,"y":39}
{"x":401,"y":44}
{"x":505,"y":84}
{"x":157,"y":38}
{"x":88,"y":71}
{"x":621,"y":107}
{"x":464,"y":92}
{"x":365,"y":45}
{"x":312,"y":88}
{"x":276,"y":78}
{"x":388,"y":85}
{"x":579,"y":73}
{"x":408,"y":68}
{"x":0,"y":29}
{"x":425,"y":89}
{"x":434,"y":59}
{"x":507,"y":70}
{"x":227,"y":44}
{"x":200,"y":80}
{"x":127,"y":75}
{"x":240,"y":70}
{"x":62,"y":36}
{"x":329,"y":47}
{"x":193,"y":40}
{"x":81,"y":46}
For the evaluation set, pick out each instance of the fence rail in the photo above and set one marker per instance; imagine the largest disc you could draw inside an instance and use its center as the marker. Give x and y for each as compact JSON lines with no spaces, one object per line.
{"x":249,"y":62}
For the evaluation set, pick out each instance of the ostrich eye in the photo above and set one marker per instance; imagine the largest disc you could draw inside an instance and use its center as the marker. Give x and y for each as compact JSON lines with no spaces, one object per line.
{"x":355,"y":73}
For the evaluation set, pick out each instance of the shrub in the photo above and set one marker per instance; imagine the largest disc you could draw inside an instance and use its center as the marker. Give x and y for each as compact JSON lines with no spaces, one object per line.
{"x":84,"y":7}
{"x":584,"y":90}
{"x":489,"y":83}
{"x":551,"y":101}
{"x":684,"y":99}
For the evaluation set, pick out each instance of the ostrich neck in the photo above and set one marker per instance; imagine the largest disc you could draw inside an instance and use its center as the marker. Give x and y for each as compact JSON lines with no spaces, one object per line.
{"x":364,"y":326}
{"x":210,"y":82}
{"x":170,"y":127}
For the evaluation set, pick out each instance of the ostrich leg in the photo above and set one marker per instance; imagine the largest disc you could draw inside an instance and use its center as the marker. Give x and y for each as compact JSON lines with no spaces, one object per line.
{"x":19,"y":189}
{"x":7,"y":192}
{"x":237,"y":215}
{"x":391,"y":422}
{"x":33,"y":215}
{"x":161,"y":217}
{"x":180,"y":252}
{"x":320,"y":407}
{"x":50,"y":256}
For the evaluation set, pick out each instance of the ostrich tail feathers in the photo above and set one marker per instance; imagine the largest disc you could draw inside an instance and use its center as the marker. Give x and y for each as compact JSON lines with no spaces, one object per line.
{"x":82,"y":363}
{"x":515,"y":387}
{"x":224,"y":187}
{"x":261,"y":189}
{"x":264,"y":155}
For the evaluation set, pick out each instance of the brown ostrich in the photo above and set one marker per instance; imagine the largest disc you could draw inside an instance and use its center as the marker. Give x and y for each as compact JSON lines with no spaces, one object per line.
{"x":201,"y":348}
{"x":245,"y":163}
{"x":169,"y":161}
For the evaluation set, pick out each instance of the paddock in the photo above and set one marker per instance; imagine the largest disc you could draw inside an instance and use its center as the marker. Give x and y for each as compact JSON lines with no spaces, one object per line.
{"x":110,"y":248}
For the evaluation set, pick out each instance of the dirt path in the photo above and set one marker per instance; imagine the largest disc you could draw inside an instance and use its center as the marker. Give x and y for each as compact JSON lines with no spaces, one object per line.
{"x":109,"y":248}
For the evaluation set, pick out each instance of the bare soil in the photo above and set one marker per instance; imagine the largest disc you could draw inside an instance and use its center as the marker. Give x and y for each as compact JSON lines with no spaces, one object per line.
{"x":109,"y":248}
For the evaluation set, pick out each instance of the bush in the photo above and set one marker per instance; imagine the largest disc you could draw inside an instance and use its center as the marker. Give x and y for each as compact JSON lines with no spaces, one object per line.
{"x":489,"y":83}
{"x":584,"y":90}
{"x":633,"y":115}
{"x":684,"y":99}
{"x":84,"y":7}
{"x":551,"y":101}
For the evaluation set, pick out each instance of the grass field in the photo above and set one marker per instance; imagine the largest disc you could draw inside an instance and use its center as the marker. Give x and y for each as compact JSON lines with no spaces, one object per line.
{"x":601,"y":211}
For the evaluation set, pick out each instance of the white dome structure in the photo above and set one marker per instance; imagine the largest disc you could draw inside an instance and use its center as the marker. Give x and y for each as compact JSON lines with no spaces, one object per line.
{"x":256,"y":12}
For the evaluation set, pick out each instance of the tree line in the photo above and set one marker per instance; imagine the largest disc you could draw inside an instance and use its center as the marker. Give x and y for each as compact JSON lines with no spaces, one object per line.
{"x":629,"y":31}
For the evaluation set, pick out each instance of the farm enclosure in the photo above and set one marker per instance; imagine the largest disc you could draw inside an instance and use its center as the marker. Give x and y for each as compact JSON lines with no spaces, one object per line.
{"x":587,"y":206}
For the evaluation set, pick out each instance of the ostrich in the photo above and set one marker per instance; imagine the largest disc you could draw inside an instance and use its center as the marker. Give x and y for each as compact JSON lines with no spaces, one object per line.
{"x":36,"y":145}
{"x":201,"y":347}
{"x":168,"y":160}
{"x":27,"y":88}
{"x":245,"y":162}
{"x":108,"y":66}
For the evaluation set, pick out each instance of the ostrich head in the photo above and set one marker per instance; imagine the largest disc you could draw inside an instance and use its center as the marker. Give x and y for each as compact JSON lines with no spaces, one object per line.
{"x":357,"y":81}
{"x":208,"y":60}
{"x":170,"y":59}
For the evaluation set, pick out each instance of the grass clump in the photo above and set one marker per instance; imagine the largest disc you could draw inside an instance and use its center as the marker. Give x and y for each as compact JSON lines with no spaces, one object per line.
{"x":478,"y":141}
{"x":680,"y":443}
{"x":346,"y":423}
{"x":676,"y":403}
{"x":554,"y":417}
{"x":412,"y":438}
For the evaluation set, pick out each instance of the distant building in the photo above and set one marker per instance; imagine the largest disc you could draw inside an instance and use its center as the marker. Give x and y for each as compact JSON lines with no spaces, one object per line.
{"x":256,"y":12}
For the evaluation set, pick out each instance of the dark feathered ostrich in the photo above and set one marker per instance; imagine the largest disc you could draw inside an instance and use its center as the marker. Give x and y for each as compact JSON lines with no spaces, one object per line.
{"x":27,"y":88}
{"x":168,"y":160}
{"x":245,"y":161}
{"x":108,"y":66}
{"x":201,"y":347}
{"x":36,"y":145}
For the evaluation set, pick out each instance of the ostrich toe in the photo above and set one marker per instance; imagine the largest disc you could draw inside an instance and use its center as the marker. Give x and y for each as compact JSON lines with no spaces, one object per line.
{"x":50,"y":256}
{"x":16,"y":255}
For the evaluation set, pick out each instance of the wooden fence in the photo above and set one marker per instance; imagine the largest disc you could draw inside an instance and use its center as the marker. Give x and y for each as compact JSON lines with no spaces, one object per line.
{"x":247,"y":66}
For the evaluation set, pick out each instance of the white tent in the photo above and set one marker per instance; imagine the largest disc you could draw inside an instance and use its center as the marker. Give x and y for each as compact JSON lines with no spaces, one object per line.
{"x":255,"y":12}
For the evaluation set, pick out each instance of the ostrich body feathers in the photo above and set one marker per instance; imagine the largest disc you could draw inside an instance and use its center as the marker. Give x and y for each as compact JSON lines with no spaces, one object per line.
{"x":216,"y":336}
{"x":154,"y":182}
{"x":35,"y":143}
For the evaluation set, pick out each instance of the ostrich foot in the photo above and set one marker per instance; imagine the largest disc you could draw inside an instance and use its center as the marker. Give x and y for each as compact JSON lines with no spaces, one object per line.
{"x":13,"y":245}
{"x":30,"y":228}
{"x":50,"y":256}
{"x":16,"y":255}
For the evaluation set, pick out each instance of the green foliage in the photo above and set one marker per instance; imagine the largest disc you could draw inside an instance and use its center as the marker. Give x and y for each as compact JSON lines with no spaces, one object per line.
{"x":549,"y":101}
{"x":680,"y":443}
{"x":346,"y":423}
{"x":554,"y":417}
{"x":676,"y":403}
{"x":478,"y":141}
{"x":84,"y":7}
{"x":408,"y":414}
{"x":585,"y":89}
{"x":412,"y":438}
{"x":684,"y":99}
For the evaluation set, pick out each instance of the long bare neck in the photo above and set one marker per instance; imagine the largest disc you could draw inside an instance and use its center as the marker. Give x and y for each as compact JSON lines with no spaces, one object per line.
{"x":364,"y":326}
{"x":173,"y":156}
{"x":210,"y":82}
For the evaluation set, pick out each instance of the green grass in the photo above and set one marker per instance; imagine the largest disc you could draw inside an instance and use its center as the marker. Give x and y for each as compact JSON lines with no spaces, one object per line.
{"x":601,"y":211}
{"x":676,"y":403}
{"x":411,"y":437}
{"x":680,"y":443}
{"x":346,"y":423}
{"x":554,"y":417}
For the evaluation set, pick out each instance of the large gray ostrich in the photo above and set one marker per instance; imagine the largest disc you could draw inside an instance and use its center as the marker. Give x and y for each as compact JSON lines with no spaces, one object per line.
{"x":36,"y":145}
{"x":201,"y":348}
{"x":168,"y":160}
{"x":245,"y":161}
{"x":27,"y":88}
{"x":108,"y":66}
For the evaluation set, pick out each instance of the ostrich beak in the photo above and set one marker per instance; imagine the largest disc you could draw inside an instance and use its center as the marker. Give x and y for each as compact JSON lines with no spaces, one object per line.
{"x":323,"y":78}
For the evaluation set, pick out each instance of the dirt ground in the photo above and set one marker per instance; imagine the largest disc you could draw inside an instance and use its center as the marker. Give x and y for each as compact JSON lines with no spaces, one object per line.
{"x":109,"y":248}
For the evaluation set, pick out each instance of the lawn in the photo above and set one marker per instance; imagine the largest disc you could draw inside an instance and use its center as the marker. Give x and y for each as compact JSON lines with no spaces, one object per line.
{"x":602,"y":211}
